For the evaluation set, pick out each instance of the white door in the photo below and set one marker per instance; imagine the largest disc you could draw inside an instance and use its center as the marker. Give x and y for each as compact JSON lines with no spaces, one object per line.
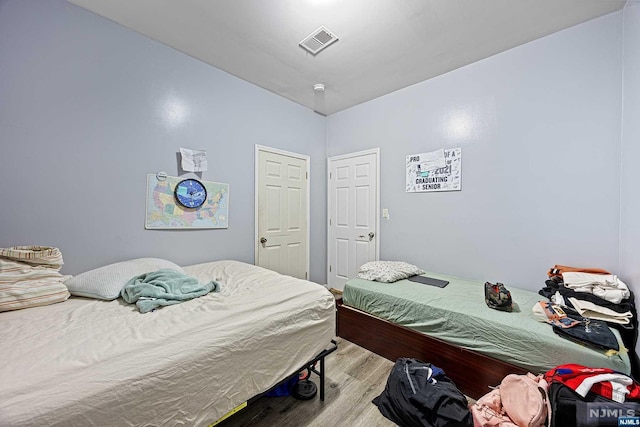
{"x":353,"y":202}
{"x":282,"y":212}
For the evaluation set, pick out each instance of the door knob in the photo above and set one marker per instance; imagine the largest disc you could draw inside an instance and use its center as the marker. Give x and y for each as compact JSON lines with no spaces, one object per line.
{"x":371,"y":235}
{"x":263,"y":240}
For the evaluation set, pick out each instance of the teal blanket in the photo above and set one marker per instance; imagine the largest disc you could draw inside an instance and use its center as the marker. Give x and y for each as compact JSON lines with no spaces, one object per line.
{"x":164,"y":287}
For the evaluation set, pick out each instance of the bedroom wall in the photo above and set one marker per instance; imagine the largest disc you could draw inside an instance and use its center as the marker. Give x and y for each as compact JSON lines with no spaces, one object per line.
{"x":630,"y":175}
{"x":88,"y":108}
{"x":539,"y":128}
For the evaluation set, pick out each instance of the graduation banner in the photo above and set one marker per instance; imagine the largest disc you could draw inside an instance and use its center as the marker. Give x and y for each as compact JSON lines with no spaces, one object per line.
{"x":438,"y":170}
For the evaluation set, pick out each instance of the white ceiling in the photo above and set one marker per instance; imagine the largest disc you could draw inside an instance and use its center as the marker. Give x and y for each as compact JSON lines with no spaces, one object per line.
{"x":383,"y":45}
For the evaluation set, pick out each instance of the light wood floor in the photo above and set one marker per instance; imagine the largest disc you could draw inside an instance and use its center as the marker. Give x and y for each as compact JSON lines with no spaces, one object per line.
{"x":354,"y":376}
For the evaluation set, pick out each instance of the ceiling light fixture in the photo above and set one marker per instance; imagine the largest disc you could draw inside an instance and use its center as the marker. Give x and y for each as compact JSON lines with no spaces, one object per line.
{"x":318,"y":87}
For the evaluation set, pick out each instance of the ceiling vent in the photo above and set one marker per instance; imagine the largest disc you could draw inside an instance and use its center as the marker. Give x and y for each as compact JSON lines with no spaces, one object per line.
{"x":318,"y":40}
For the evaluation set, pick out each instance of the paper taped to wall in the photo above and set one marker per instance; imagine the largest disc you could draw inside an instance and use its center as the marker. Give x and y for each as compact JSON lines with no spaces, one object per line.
{"x":193,"y":160}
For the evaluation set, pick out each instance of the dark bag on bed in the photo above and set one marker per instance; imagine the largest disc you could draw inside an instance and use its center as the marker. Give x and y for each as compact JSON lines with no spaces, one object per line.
{"x":419,"y":394}
{"x":497,"y":296}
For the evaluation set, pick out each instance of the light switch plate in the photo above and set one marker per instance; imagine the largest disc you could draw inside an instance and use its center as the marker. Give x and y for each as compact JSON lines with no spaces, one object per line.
{"x":385,"y":213}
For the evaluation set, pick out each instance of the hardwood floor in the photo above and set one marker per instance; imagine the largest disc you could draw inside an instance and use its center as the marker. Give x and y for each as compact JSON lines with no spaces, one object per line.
{"x":354,"y":376}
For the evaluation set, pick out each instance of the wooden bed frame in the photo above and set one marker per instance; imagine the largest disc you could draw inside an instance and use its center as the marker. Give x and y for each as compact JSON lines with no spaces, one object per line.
{"x":472,"y":372}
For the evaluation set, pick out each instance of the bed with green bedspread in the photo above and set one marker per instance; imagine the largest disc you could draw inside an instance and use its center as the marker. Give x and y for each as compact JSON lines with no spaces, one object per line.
{"x":458,"y":315}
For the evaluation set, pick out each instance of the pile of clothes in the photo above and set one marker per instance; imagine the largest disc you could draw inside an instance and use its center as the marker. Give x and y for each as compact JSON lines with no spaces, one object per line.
{"x":595,"y":296}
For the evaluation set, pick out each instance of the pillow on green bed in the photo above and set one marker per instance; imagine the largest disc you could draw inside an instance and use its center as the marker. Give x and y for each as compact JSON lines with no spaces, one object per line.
{"x":107,"y":282}
{"x":388,"y":271}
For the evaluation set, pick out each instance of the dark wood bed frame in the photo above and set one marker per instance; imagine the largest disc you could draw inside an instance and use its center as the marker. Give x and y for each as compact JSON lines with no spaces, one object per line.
{"x":472,"y":372}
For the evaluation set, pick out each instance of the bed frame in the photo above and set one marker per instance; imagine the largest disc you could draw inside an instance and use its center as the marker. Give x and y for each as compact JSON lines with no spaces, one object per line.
{"x":309,"y":366}
{"x":472,"y":372}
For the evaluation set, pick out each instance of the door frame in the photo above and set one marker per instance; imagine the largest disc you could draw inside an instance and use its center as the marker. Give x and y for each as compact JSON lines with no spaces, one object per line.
{"x":307,"y":160}
{"x":375,"y":151}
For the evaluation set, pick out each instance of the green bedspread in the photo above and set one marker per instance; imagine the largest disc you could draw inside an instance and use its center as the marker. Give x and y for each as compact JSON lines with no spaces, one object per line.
{"x":458,"y":314}
{"x":164,"y":287}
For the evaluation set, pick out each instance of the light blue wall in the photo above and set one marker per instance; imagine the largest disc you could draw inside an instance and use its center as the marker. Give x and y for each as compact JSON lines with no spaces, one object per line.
{"x":630,"y":176}
{"x":84,"y":117}
{"x":85,"y":114}
{"x":539,"y":128}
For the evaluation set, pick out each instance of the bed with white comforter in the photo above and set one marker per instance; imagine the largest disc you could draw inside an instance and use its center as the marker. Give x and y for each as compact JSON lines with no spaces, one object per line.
{"x":87,"y":362}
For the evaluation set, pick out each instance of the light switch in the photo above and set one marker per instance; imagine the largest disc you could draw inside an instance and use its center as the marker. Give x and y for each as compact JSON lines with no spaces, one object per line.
{"x":385,"y":213}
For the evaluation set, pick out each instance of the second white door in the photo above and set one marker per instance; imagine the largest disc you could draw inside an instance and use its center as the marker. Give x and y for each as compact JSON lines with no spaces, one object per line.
{"x":353,"y":214}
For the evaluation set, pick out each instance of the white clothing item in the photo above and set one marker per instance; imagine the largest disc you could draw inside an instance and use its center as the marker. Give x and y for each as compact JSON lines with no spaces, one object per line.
{"x":605,"y":286}
{"x":558,"y":299}
{"x":619,"y":383}
{"x":595,"y":311}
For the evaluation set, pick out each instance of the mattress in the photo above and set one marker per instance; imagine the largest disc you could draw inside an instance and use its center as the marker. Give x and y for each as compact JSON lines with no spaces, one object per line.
{"x":88,"y":362}
{"x":458,"y":315}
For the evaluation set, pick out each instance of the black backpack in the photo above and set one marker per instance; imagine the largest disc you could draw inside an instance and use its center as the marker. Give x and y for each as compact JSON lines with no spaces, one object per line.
{"x":419,"y":394}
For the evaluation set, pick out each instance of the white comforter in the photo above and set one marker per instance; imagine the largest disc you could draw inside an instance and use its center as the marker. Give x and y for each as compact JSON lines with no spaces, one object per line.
{"x":101,"y":363}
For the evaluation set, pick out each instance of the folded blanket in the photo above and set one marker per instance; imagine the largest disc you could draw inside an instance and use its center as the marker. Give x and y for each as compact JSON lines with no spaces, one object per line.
{"x":36,"y":255}
{"x":29,"y":277}
{"x":164,"y":287}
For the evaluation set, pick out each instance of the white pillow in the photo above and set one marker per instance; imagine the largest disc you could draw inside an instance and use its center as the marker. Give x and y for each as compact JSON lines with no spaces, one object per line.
{"x":107,"y":282}
{"x":388,"y":271}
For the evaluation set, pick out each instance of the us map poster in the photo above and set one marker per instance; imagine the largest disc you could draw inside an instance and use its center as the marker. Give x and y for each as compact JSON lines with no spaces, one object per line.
{"x":438,"y":170}
{"x":164,"y":212}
